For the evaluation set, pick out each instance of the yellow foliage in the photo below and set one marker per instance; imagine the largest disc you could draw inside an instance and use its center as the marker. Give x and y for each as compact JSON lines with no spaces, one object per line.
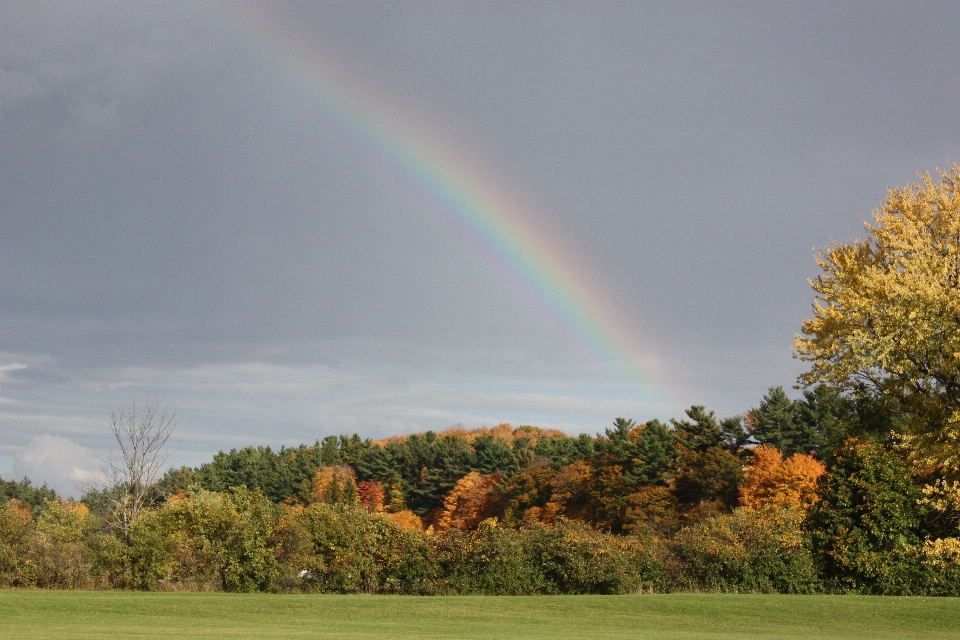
{"x":887,"y":314}
{"x":942,"y":551}
{"x":651,"y":511}
{"x":16,"y":523}
{"x":404,"y":519}
{"x":771,"y":480}
{"x":329,"y":483}
{"x":943,"y":496}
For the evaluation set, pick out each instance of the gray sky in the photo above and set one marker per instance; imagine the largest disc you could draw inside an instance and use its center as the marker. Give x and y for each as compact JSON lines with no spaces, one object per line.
{"x":181,"y":215}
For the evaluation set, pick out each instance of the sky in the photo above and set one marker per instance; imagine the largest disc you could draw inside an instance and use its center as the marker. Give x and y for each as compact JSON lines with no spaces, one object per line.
{"x":301,"y":219}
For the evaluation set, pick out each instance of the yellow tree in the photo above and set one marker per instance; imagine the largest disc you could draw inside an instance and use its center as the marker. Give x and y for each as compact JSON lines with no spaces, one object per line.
{"x":887,"y":315}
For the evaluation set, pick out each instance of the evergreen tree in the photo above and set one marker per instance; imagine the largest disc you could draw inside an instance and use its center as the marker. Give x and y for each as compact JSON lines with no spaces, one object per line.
{"x":655,"y":452}
{"x":700,"y":432}
{"x":734,"y":436}
{"x":33,"y":497}
{"x":776,"y":423}
{"x":829,"y":418}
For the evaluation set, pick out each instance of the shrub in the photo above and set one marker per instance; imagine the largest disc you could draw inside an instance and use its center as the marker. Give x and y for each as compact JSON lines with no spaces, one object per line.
{"x":576,"y":559}
{"x":16,"y":535}
{"x":941,"y":567}
{"x":747,"y":551}
{"x":205,"y":539}
{"x":59,"y":551}
{"x":492,"y":560}
{"x":344,"y":549}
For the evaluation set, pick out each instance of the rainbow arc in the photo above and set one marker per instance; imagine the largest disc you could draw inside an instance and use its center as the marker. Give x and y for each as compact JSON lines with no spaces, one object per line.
{"x":472,"y":205}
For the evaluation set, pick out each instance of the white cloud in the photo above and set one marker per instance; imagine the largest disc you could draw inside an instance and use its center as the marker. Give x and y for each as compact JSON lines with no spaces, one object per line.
{"x":63,"y":464}
{"x":6,"y":368}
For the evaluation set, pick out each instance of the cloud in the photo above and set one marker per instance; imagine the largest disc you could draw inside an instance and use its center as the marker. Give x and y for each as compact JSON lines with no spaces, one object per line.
{"x":75,"y":70}
{"x":6,"y":368}
{"x":227,"y":405}
{"x":63,"y":464}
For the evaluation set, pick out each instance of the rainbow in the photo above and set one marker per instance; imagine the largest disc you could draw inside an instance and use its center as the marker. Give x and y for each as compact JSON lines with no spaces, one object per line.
{"x":469,"y":203}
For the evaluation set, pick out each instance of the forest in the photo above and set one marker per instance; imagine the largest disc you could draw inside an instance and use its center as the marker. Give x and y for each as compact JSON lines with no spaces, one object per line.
{"x":852,"y":487}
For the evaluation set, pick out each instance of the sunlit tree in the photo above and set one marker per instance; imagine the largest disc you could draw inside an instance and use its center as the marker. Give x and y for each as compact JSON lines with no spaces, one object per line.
{"x":769,"y":479}
{"x":886,"y":321}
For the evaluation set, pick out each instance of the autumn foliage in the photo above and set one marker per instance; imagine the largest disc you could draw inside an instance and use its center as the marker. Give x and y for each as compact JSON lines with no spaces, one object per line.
{"x":337,"y":484}
{"x":771,"y":480}
{"x":469,"y":502}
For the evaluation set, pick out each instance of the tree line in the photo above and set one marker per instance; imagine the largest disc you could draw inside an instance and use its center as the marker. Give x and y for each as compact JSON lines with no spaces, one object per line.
{"x":854,"y":487}
{"x":693,"y":504}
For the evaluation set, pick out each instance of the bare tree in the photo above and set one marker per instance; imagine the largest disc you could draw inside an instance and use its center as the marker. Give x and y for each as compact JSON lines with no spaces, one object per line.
{"x":142,"y":432}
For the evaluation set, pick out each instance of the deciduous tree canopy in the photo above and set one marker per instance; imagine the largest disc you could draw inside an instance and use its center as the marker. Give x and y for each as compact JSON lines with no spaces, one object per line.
{"x":886,"y":321}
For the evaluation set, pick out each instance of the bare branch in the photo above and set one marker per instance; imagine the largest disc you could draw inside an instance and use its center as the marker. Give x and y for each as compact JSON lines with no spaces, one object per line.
{"x":142,"y":433}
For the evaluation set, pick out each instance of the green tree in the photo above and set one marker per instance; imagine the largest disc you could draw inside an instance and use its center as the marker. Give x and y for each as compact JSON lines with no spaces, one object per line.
{"x":35,"y":498}
{"x":777,"y":423}
{"x":711,"y":475}
{"x":863,"y":528}
{"x":705,"y":470}
{"x":830,"y":418}
{"x":700,"y":432}
{"x":655,"y":452}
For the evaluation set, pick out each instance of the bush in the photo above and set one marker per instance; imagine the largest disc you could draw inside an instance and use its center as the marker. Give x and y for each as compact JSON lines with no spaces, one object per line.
{"x":344,"y":549}
{"x":941,"y":567}
{"x":59,"y":553}
{"x":747,"y":551}
{"x":205,"y":539}
{"x":492,"y":560}
{"x":16,"y":536}
{"x":569,"y":558}
{"x":576,"y":559}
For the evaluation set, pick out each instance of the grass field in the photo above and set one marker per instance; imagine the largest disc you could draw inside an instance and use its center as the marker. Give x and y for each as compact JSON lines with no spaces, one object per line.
{"x":65,"y":614}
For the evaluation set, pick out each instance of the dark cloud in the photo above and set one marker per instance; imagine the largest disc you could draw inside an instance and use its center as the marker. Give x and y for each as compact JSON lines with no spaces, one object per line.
{"x":175,"y":201}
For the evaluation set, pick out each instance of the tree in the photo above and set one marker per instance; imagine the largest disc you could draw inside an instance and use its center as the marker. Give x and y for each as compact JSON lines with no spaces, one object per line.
{"x":711,"y":475}
{"x":863,"y":529}
{"x":642,"y":452}
{"x":700,"y":434}
{"x":335,"y":485}
{"x":829,"y":417}
{"x":776,"y":423}
{"x":655,"y":451}
{"x":769,"y":479}
{"x":469,"y":502}
{"x":142,"y":433}
{"x":34,"y":498}
{"x":706,"y":471}
{"x":886,"y":321}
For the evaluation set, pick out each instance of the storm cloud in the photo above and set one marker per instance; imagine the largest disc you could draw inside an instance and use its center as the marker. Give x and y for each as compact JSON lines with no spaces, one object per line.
{"x":181,"y":215}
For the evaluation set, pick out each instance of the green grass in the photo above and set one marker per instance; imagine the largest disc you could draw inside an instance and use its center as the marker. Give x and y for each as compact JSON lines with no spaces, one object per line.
{"x":84,"y":614}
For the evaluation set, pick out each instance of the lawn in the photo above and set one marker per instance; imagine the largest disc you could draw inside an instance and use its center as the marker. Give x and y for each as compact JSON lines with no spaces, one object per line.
{"x":84,"y":614}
